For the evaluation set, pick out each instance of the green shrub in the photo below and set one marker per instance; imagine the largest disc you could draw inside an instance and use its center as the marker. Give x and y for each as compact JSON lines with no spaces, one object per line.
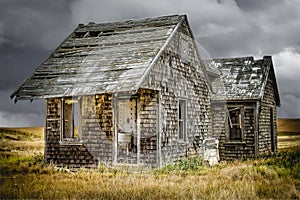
{"x":182,"y":165}
{"x":286,"y":162}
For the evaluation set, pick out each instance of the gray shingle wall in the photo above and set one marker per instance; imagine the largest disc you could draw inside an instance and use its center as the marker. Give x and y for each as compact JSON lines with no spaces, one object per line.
{"x":63,"y":155}
{"x":229,"y":149}
{"x":178,"y":75}
{"x":265,"y":121}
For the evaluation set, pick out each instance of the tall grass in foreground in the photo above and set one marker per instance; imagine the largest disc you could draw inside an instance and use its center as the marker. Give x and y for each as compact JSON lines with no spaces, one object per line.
{"x":264,"y":178}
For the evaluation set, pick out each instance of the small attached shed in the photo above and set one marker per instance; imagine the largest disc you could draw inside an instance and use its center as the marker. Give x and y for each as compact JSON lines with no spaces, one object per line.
{"x":123,"y":93}
{"x":248,"y":105}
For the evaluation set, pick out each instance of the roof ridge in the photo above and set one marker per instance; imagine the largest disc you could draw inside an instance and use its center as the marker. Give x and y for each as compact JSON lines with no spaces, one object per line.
{"x":235,"y":58}
{"x":134,"y":21}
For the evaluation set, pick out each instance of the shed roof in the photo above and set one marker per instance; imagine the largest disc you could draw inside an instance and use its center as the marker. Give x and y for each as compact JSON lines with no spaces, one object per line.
{"x":99,"y":58}
{"x":245,"y":78}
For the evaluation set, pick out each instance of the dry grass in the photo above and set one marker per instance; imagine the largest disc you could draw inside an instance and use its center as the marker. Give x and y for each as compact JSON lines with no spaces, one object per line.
{"x":21,"y":141}
{"x":238,"y":180}
{"x":287,"y":141}
{"x":23,"y":175}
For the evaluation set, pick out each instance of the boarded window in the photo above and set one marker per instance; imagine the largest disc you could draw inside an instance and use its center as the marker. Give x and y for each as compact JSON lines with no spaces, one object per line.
{"x":235,"y":123}
{"x":182,"y":119}
{"x":70,"y":118}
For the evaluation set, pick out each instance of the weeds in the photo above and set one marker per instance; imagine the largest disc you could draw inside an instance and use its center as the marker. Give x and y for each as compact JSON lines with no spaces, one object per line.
{"x":286,"y":162}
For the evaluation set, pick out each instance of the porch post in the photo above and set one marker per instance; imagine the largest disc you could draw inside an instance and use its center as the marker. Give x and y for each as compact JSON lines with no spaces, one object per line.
{"x":115,"y":132}
{"x":138,"y":131}
{"x":158,"y":131}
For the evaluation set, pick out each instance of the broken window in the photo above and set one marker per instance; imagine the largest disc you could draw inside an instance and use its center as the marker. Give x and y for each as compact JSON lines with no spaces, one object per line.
{"x":70,"y":118}
{"x":235,"y":123}
{"x":182,"y":119}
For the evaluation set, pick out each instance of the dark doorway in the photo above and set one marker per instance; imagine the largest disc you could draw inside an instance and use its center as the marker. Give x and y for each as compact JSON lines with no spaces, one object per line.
{"x":272,"y":130}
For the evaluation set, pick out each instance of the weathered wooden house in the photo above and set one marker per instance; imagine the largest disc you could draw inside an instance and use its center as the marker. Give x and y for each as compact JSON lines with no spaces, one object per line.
{"x":251,"y":97}
{"x":131,"y":92}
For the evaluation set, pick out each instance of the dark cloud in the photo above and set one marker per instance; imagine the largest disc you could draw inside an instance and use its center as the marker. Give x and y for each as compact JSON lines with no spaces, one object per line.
{"x":290,"y":106}
{"x":257,"y":5}
{"x":17,"y":63}
{"x":31,"y":29}
{"x":39,"y":23}
{"x":24,"y":113}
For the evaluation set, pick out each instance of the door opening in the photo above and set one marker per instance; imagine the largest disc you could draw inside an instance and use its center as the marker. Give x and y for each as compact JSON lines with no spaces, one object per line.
{"x":127,"y":131}
{"x":272,"y":130}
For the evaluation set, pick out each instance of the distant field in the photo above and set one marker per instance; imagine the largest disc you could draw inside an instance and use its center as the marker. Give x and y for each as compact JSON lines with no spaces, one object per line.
{"x":21,"y":141}
{"x":37,"y":131}
{"x":288,"y":125}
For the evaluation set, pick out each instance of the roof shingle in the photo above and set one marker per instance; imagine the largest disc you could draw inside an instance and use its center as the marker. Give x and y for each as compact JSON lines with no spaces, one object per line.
{"x":244,"y":78}
{"x":99,"y":58}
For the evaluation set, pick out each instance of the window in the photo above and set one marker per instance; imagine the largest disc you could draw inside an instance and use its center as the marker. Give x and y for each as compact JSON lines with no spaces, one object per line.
{"x":182,"y":119}
{"x":235,"y":124}
{"x":70,"y":118}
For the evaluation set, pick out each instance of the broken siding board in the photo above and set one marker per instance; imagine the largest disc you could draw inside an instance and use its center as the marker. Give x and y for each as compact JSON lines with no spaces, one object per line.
{"x":56,"y":70}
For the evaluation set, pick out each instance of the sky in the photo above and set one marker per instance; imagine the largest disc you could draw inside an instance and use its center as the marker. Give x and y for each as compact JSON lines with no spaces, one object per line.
{"x":30,"y":30}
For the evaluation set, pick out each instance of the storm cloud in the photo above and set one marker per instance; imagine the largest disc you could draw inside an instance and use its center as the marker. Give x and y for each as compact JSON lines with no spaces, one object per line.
{"x":30,"y":30}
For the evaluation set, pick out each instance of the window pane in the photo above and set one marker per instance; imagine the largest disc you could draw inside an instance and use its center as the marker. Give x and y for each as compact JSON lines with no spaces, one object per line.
{"x":75,"y":119}
{"x":70,"y":118}
{"x":234,"y":124}
{"x":182,"y":119}
{"x":181,"y":129}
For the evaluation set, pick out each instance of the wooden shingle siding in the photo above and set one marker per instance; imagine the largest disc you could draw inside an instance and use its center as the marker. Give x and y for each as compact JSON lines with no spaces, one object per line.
{"x":97,"y":127}
{"x":97,"y":132}
{"x":148,"y":111}
{"x":63,"y":155}
{"x":264,"y":138}
{"x":247,"y":80}
{"x":232,"y":149}
{"x":178,"y":76}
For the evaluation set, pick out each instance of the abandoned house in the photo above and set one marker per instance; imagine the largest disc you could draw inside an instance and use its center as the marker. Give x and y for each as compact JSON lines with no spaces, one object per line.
{"x":131,"y":92}
{"x":137,"y":93}
{"x":251,"y":97}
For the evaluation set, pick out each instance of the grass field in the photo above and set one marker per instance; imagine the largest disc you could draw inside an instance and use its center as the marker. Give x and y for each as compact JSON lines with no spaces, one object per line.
{"x":23,"y":175}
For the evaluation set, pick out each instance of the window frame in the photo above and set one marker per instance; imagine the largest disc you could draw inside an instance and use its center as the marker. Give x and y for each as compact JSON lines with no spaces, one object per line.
{"x":182,"y":106}
{"x":229,"y":123}
{"x":72,"y":139}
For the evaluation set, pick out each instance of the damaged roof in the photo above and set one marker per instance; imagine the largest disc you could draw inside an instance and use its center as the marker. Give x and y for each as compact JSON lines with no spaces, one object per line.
{"x":100,"y":58}
{"x":245,"y":78}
